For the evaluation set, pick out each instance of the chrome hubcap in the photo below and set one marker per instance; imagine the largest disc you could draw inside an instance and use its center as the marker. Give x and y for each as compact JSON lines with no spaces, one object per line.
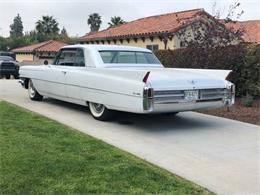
{"x":99,"y":108}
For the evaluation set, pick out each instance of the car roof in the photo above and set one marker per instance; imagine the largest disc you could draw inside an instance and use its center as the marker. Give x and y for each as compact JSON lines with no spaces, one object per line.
{"x":108,"y":47}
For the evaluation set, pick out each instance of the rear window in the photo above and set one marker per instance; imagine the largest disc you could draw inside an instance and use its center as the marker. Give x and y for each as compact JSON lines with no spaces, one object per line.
{"x":128,"y":57}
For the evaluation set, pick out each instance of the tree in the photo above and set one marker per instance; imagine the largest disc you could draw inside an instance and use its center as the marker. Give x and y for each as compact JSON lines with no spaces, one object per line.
{"x":3,"y":44}
{"x":63,"y":32}
{"x":116,"y":21}
{"x":16,"y":27}
{"x":213,"y":32}
{"x":47,"y":26}
{"x":94,"y":21}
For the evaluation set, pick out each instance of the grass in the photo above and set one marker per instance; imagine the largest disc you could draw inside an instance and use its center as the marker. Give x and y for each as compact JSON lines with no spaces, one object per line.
{"x":41,"y":156}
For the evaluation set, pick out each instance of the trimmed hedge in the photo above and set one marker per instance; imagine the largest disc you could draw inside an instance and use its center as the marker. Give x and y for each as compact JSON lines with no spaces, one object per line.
{"x":243,"y":59}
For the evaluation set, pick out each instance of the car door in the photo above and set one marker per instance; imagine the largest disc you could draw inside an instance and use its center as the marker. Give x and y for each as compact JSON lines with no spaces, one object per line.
{"x":57,"y":72}
{"x":74,"y":75}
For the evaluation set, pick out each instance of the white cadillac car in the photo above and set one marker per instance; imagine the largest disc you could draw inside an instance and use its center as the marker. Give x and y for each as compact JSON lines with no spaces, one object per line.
{"x":110,"y":78}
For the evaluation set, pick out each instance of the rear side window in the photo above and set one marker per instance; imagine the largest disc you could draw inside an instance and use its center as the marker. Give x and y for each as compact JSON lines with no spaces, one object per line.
{"x":128,"y":57}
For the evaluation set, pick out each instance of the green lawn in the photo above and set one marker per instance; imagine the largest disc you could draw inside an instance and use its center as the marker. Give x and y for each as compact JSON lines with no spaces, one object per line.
{"x":41,"y":156}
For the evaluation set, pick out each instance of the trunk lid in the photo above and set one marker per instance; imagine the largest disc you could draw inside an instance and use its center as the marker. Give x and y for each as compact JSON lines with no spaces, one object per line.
{"x":161,"y":78}
{"x":176,"y":79}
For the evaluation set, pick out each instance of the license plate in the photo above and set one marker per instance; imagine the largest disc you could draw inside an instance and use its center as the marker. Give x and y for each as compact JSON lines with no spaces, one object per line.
{"x":191,"y":95}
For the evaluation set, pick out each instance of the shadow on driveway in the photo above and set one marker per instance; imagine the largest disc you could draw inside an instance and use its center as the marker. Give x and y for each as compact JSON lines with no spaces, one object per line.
{"x":148,"y":122}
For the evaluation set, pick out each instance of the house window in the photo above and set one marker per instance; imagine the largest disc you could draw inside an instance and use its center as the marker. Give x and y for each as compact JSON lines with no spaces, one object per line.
{"x":152,"y":47}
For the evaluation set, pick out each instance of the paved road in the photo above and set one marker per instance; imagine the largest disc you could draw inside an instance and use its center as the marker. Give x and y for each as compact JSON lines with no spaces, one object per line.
{"x":219,"y":154}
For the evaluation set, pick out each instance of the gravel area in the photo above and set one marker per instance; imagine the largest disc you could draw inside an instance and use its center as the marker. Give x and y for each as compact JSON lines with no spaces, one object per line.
{"x":239,"y":112}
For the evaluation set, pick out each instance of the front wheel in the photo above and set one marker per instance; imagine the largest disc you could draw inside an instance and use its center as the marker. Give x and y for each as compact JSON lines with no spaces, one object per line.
{"x":7,"y":76}
{"x":33,"y":93}
{"x":100,"y":112}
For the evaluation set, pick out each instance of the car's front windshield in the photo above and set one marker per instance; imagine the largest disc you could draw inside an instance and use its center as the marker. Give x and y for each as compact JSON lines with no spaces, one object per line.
{"x":128,"y":57}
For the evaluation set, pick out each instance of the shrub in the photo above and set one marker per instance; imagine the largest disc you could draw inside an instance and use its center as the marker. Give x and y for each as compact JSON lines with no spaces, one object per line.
{"x":247,"y":101}
{"x":243,"y":60}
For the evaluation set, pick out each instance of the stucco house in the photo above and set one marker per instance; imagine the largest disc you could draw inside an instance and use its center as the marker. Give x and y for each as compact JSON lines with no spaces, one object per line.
{"x":250,"y":29}
{"x":39,"y":52}
{"x":154,"y":32}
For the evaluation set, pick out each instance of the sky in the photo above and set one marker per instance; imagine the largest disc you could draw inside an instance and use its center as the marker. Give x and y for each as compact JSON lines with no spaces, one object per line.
{"x":73,"y":14}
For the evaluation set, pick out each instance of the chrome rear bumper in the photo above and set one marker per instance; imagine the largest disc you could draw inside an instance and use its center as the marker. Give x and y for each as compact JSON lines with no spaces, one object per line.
{"x":187,"y":106}
{"x":175,"y":100}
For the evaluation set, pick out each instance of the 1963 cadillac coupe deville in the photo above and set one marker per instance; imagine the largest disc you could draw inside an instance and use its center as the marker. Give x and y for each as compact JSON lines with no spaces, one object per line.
{"x":110,"y":78}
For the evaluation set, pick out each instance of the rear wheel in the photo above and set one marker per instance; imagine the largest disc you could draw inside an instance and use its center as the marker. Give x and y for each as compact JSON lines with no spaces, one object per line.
{"x":100,"y":112}
{"x":33,"y":93}
{"x":7,"y":76}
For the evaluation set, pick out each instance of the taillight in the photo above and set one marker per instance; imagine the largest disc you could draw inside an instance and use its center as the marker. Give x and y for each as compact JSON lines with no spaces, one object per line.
{"x":146,"y":77}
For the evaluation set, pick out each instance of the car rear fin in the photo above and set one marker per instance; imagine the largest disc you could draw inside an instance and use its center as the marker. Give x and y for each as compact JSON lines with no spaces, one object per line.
{"x":228,"y":77}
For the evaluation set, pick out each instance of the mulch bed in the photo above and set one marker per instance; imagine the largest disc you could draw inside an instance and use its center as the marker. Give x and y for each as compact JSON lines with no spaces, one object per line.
{"x":239,"y":112}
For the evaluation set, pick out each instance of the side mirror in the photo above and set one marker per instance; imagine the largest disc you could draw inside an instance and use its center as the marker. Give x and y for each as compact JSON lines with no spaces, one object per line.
{"x":45,"y":62}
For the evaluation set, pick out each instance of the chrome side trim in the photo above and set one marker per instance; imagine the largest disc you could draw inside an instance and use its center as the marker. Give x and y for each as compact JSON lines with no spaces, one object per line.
{"x":85,"y":87}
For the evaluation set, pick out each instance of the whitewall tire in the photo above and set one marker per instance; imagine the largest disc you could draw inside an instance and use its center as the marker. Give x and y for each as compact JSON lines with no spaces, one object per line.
{"x":33,"y":93}
{"x":100,"y":112}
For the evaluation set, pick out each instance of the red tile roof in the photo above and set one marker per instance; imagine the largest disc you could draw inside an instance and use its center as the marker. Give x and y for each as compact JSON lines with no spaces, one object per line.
{"x":47,"y":46}
{"x":166,"y":23}
{"x":251,"y":29}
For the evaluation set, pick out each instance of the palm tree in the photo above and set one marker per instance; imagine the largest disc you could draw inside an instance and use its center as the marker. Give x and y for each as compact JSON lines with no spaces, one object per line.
{"x":94,"y":21}
{"x":116,"y":21}
{"x":48,"y":25}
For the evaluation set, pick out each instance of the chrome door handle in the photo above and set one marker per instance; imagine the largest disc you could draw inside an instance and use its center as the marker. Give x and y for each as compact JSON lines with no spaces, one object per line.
{"x":64,"y":72}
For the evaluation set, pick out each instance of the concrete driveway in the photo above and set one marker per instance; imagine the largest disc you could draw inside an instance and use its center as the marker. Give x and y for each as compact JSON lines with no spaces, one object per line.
{"x":220,"y":154}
